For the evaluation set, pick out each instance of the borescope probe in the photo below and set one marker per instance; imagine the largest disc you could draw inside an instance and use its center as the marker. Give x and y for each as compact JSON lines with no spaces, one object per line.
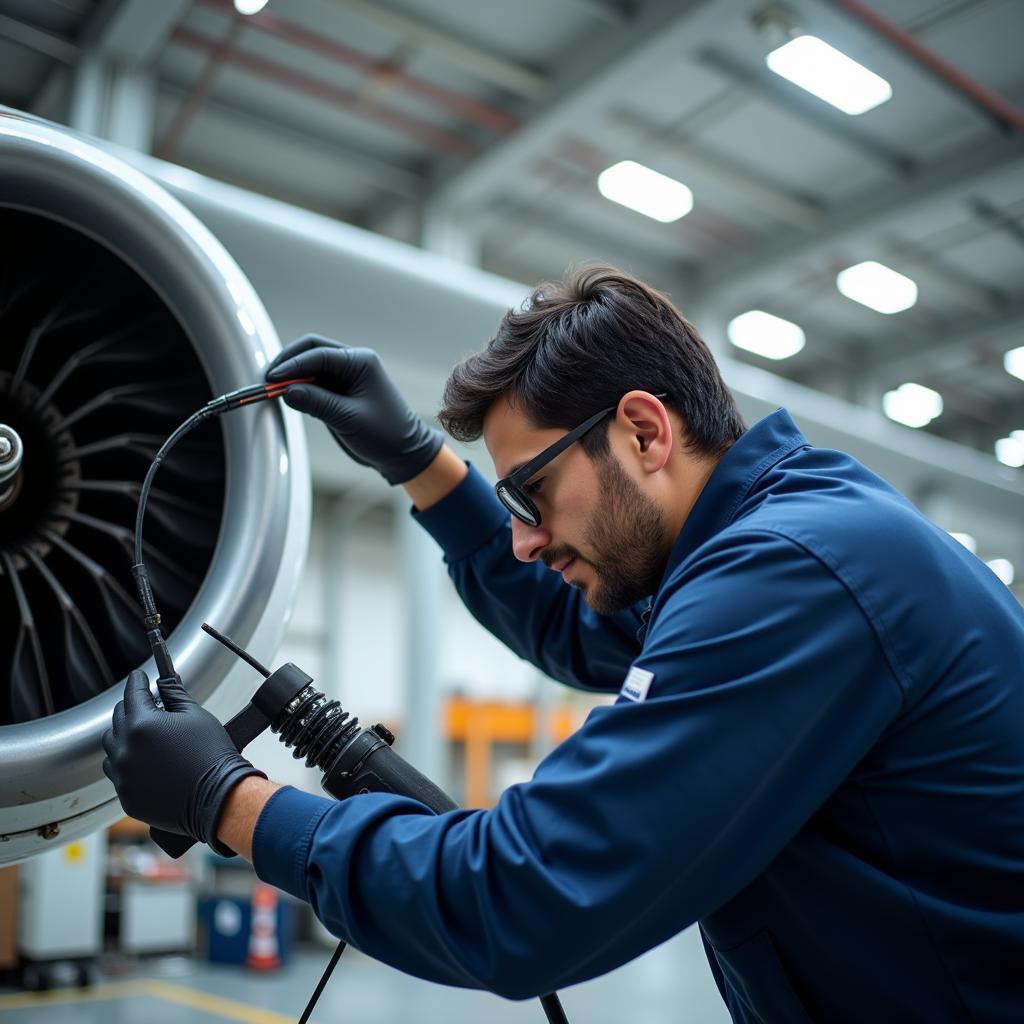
{"x":353,"y":759}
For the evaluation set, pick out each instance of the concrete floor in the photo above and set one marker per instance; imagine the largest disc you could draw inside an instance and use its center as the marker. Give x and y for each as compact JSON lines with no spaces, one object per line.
{"x":670,"y":985}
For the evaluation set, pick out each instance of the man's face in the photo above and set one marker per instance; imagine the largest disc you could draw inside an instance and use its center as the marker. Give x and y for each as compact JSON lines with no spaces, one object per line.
{"x":598,"y":528}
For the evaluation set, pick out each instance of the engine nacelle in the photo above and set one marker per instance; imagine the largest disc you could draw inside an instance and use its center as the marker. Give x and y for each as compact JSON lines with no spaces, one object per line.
{"x":120,"y":314}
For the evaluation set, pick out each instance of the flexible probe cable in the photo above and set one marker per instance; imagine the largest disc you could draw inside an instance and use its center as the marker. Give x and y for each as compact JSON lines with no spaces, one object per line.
{"x":215,"y":407}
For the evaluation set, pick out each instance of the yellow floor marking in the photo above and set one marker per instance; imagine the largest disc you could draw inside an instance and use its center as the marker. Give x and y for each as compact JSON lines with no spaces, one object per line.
{"x":230,"y":1009}
{"x":114,"y":990}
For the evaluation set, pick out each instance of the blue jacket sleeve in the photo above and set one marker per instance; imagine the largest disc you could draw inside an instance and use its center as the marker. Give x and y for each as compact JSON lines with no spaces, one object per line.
{"x":769,"y":686}
{"x":525,"y":605}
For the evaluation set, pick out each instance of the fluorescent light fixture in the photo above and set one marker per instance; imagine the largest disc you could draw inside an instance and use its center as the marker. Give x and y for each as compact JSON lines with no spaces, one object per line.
{"x":1013,"y":362}
{"x":829,"y":74}
{"x":1003,"y":568}
{"x":966,"y":539}
{"x":912,"y":405}
{"x":250,"y":6}
{"x":646,"y":191}
{"x":877,"y":286}
{"x":1010,"y":450}
{"x":766,"y":335}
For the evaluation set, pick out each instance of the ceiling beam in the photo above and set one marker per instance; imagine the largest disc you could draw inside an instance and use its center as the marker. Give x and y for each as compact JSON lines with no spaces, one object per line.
{"x":383,"y":73}
{"x":135,"y":31}
{"x":37,"y":39}
{"x":1007,"y":116}
{"x":614,"y":12}
{"x":999,"y":219}
{"x":943,"y":352}
{"x":484,"y":64}
{"x":398,"y":179}
{"x":349,"y":100}
{"x":766,"y":268}
{"x":641,"y":136}
{"x":929,"y":262}
{"x":516,"y":227}
{"x":916,"y":258}
{"x":129,"y":32}
{"x":213,"y":65}
{"x":605,"y":67}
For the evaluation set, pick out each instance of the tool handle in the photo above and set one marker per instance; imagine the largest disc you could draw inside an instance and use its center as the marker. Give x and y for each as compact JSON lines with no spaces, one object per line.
{"x":173,"y":844}
{"x":400,"y":776}
{"x":382,"y":770}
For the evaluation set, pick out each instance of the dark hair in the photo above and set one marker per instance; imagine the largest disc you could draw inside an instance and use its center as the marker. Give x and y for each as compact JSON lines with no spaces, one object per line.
{"x":581,"y":343}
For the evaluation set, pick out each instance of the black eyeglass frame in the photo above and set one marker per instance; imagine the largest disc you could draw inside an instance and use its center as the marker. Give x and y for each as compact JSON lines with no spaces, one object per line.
{"x":512,"y":484}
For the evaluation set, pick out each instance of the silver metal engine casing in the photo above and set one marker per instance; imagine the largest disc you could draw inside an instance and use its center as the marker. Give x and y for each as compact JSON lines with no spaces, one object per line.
{"x":52,"y":787}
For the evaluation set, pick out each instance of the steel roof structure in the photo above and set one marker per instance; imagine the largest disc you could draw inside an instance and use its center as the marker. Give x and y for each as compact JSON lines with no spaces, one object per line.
{"x":478,"y":129}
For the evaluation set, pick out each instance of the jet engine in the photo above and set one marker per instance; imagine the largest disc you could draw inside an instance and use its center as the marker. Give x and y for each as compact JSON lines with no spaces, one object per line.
{"x":121,"y":314}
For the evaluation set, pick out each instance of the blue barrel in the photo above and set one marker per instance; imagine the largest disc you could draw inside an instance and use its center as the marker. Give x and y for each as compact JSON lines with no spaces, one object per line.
{"x":226,"y":921}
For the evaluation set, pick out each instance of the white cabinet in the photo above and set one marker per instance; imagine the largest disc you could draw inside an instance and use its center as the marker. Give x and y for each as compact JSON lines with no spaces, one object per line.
{"x":157,"y":917}
{"x":62,"y":901}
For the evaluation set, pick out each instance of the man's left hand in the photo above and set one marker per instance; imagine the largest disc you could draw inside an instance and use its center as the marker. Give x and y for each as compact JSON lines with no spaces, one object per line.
{"x":172,"y":767}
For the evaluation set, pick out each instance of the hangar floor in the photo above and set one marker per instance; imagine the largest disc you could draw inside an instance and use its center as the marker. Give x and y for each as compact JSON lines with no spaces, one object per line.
{"x":670,"y":985}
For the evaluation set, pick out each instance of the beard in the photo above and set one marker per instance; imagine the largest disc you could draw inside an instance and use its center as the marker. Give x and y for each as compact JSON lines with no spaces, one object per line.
{"x":627,"y":540}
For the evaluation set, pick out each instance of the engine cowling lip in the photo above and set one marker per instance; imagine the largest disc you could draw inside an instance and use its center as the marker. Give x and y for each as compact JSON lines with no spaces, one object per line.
{"x":67,"y":178}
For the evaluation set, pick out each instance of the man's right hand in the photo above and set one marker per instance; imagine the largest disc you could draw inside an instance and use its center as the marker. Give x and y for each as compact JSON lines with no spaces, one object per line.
{"x":357,"y":400}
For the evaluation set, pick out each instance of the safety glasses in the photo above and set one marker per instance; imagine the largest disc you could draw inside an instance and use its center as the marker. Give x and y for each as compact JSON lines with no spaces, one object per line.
{"x":510,"y":489}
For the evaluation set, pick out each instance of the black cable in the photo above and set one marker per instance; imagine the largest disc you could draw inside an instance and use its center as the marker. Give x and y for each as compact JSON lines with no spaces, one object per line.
{"x":155,"y":636}
{"x":553,"y":1009}
{"x":225,"y":403}
{"x":551,"y":1004}
{"x":323,"y":981}
{"x":193,"y":421}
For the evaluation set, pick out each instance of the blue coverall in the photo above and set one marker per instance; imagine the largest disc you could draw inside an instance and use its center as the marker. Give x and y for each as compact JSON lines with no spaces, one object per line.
{"x":817,"y":752}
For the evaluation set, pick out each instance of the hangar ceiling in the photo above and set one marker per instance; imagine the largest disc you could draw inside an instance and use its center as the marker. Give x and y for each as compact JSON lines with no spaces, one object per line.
{"x":478,"y":129}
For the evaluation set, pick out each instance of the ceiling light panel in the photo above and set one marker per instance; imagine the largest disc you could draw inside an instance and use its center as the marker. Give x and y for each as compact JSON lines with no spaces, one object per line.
{"x":829,"y":74}
{"x":1013,"y":362}
{"x":646,"y":191}
{"x":877,"y":286}
{"x":913,"y":405}
{"x":966,"y":539}
{"x":1010,"y":450}
{"x":1003,"y":568}
{"x":766,"y":335}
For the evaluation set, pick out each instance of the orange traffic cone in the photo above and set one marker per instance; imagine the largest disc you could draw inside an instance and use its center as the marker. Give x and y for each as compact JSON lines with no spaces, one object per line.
{"x":263,"y":949}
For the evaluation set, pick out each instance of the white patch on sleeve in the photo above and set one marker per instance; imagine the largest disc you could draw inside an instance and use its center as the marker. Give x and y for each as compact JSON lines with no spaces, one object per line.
{"x":637,"y":683}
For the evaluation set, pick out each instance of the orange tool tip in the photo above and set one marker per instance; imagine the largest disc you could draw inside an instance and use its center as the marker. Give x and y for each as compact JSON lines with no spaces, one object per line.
{"x":275,"y":390}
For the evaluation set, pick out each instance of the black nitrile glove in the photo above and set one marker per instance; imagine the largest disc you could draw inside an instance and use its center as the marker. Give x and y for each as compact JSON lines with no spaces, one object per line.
{"x":357,"y":400}
{"x":174,"y":766}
